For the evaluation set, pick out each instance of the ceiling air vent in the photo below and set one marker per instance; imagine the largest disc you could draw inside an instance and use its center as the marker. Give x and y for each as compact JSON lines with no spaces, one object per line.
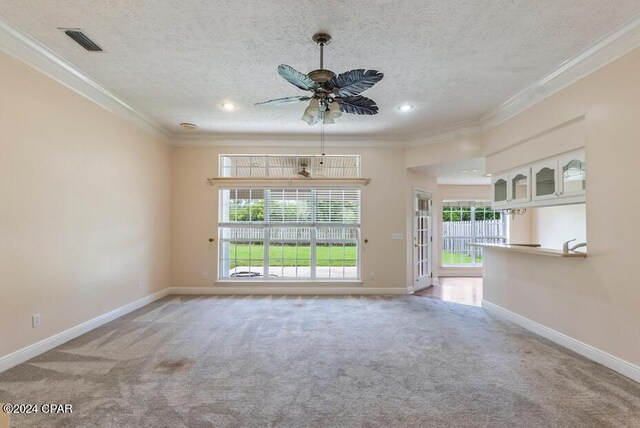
{"x":80,"y":38}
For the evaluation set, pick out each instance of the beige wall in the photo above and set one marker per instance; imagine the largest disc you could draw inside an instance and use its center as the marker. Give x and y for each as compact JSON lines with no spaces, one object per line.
{"x":464,"y":192}
{"x":595,"y":300}
{"x":552,"y":226}
{"x":445,"y":152}
{"x":84,"y":208}
{"x":520,"y":229}
{"x":385,"y":201}
{"x":567,"y":132}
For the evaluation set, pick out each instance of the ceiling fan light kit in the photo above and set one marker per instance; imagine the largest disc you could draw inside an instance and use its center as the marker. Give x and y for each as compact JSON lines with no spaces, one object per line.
{"x":312,"y":113}
{"x":327,"y":119}
{"x":331,"y":94}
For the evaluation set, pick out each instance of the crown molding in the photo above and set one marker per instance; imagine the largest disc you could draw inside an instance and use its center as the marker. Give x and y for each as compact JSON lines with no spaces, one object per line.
{"x":27,"y":49}
{"x":607,"y":49}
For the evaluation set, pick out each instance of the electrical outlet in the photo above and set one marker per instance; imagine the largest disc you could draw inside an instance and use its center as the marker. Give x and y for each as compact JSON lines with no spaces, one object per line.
{"x":35,"y":320}
{"x":205,"y":275}
{"x":397,"y":236}
{"x":139,"y":285}
{"x":372,"y":276}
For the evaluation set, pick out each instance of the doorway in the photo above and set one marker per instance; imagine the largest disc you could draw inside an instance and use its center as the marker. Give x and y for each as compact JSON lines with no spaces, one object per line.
{"x":462,"y":290}
{"x":422,"y":240}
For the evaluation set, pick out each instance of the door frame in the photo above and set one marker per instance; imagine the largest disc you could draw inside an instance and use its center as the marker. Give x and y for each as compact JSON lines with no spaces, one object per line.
{"x":427,"y":281}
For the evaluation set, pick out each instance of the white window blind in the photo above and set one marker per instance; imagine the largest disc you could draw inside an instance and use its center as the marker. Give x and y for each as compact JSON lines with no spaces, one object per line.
{"x":289,"y":233}
{"x":288,"y":166}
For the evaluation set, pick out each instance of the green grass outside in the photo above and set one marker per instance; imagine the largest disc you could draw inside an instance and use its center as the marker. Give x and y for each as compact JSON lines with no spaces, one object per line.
{"x":326,"y":256}
{"x":240,"y":254}
{"x":458,"y":259}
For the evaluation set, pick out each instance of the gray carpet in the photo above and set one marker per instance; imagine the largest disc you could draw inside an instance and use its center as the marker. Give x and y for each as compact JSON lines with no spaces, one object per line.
{"x":235,"y":361}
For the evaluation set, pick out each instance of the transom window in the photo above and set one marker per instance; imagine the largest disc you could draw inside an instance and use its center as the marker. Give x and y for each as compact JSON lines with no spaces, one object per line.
{"x":260,"y":166}
{"x":273,"y":233}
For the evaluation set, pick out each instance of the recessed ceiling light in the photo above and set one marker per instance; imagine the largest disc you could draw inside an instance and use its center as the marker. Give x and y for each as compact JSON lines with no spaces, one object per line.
{"x":188,"y":125}
{"x":229,"y":106}
{"x":405,"y":108}
{"x":487,"y":175}
{"x":469,"y":171}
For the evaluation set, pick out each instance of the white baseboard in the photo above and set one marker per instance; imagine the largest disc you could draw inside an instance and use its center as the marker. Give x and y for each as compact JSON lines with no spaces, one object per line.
{"x":614,"y":363}
{"x":286,"y":290}
{"x":24,"y":354}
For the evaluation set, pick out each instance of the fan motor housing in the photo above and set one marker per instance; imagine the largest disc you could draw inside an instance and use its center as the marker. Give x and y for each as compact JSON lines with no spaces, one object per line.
{"x":321,"y":75}
{"x":321,"y":39}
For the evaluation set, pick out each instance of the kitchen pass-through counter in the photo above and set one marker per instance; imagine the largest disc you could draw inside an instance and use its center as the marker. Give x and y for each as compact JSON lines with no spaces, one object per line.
{"x":533,"y":249}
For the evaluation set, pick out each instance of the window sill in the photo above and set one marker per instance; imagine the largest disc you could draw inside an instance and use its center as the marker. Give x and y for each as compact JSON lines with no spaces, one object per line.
{"x":288,"y":181}
{"x":462,"y":266}
{"x":293,"y":282}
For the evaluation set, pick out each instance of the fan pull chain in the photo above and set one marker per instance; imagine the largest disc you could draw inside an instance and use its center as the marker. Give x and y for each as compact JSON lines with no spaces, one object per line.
{"x":322,"y":137}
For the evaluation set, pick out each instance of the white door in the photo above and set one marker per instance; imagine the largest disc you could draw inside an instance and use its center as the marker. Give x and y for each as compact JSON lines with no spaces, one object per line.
{"x":422,"y":241}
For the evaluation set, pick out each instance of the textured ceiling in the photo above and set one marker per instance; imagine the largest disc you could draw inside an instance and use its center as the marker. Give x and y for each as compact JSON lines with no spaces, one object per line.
{"x":177,"y":61}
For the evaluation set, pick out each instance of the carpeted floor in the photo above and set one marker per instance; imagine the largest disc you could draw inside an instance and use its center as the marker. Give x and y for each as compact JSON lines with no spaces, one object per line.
{"x":236,"y":361}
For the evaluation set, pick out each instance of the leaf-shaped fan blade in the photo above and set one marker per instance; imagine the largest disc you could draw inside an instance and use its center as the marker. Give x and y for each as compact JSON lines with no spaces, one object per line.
{"x":287,"y":100}
{"x":294,"y":77}
{"x":358,"y":105}
{"x":353,"y":82}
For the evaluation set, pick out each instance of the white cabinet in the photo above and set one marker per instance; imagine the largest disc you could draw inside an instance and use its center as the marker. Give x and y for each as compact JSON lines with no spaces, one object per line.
{"x":555,"y":181}
{"x":572,"y":174}
{"x":520,"y":185}
{"x":512,"y":188}
{"x":545,"y":180}
{"x":500,"y":187}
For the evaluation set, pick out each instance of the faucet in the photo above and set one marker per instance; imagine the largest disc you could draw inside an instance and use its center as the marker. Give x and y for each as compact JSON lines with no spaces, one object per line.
{"x":566,"y":249}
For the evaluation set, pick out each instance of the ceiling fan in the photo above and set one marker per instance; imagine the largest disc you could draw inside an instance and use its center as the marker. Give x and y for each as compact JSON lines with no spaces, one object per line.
{"x":331,"y":94}
{"x":303,"y":172}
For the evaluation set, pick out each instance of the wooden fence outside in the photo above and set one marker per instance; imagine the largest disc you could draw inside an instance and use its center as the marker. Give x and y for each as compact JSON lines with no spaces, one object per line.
{"x":457,"y":235}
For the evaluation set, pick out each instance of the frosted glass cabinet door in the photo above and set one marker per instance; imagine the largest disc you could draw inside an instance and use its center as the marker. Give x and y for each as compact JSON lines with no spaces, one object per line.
{"x":573,"y":174}
{"x":545,"y":180}
{"x":500,"y":189}
{"x":520,"y":185}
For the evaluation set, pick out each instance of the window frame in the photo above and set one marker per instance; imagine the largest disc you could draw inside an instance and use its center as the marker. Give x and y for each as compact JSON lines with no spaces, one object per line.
{"x":476,"y":252}
{"x":313,"y":225}
{"x":226,"y":170}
